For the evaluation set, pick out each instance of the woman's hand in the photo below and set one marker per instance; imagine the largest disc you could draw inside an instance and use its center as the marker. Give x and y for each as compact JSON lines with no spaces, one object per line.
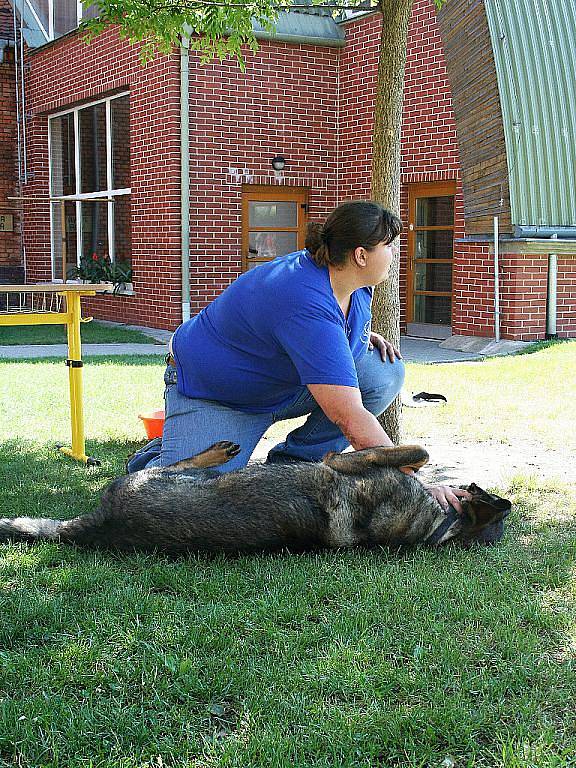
{"x":447,"y":496}
{"x":384,"y":347}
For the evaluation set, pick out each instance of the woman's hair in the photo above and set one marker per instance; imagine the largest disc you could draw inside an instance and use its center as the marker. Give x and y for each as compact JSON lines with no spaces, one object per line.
{"x":358,"y":223}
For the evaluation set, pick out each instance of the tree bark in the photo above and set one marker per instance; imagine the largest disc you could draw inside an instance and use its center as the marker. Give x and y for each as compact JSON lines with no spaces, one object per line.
{"x":386,"y":170}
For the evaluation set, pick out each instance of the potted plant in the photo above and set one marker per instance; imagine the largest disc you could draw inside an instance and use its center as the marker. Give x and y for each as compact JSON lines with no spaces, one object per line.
{"x":100,"y":269}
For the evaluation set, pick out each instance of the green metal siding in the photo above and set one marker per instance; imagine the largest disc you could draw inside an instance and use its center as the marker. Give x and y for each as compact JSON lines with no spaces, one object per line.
{"x":534,"y":44}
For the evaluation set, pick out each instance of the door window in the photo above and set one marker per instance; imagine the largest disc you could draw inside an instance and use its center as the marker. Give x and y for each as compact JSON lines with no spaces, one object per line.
{"x":274,"y":223}
{"x":430,"y":256}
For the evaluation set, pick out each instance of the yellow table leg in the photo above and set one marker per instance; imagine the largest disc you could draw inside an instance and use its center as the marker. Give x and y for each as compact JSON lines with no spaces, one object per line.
{"x":74,"y":363}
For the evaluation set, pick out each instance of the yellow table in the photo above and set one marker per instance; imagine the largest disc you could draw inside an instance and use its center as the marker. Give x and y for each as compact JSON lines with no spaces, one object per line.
{"x":37,"y":305}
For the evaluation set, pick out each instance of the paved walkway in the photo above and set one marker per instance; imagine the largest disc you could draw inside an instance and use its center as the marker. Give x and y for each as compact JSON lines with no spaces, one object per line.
{"x":61,"y":350}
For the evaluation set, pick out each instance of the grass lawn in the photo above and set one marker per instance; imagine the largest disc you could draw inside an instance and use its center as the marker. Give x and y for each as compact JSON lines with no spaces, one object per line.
{"x":352,"y":659}
{"x":92,"y":333}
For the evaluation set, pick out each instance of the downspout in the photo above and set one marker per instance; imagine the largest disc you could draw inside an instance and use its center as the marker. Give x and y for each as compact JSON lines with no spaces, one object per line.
{"x":185,"y":174}
{"x":19,"y":119}
{"x":23,"y":114}
{"x":17,"y":83}
{"x":496,"y":280}
{"x":551,"y":297}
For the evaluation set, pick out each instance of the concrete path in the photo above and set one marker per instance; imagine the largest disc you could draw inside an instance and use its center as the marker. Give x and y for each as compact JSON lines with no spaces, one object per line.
{"x":414,"y":350}
{"x":61,"y":350}
{"x":429,"y":351}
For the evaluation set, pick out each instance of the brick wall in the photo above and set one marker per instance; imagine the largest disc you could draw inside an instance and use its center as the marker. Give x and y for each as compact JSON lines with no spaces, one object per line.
{"x":10,"y":250}
{"x":566,"y":291}
{"x":358,"y":68}
{"x":429,"y":151}
{"x":473,"y":291}
{"x":523,"y":292}
{"x":284,"y":104}
{"x":67,"y":73}
{"x":523,"y":297}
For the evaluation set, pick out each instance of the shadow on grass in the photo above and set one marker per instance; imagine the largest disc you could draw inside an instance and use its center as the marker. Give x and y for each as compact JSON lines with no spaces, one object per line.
{"x":336,"y":658}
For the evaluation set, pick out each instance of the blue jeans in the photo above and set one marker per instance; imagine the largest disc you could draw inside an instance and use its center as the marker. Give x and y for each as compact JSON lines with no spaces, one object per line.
{"x":192,"y":425}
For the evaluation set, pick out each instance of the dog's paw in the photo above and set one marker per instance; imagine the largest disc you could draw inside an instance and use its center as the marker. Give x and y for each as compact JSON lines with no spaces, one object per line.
{"x":231,"y":449}
{"x":218,"y":453}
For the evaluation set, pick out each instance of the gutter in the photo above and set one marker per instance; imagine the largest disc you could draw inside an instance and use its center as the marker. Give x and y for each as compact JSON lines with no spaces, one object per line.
{"x":185,"y":175}
{"x":284,"y":37}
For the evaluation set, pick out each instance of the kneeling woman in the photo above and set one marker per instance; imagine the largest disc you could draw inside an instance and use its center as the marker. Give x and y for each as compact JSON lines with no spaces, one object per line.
{"x":289,"y":338}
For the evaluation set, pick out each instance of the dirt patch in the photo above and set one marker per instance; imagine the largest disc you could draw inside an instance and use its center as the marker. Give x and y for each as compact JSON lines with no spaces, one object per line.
{"x":494,"y":464}
{"x":489,"y":464}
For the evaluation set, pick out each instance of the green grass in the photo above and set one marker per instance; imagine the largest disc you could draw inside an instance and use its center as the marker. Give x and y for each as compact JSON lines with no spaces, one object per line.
{"x":92,"y":333}
{"x":514,"y":399}
{"x":347,"y":659}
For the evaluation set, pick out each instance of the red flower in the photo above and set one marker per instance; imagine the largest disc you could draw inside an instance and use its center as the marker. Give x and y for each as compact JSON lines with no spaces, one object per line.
{"x":94,"y":257}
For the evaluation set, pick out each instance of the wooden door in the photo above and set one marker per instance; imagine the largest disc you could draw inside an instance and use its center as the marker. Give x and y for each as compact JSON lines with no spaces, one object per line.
{"x":273,"y":222}
{"x":430,"y":258}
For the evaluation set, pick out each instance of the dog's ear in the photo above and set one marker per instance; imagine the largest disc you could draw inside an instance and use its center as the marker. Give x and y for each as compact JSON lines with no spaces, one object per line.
{"x":484,"y":508}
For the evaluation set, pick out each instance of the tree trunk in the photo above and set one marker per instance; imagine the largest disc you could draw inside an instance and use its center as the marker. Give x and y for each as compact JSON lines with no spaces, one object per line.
{"x":386,"y":170}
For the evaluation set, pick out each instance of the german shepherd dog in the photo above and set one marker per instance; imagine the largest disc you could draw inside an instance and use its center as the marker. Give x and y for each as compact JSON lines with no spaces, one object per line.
{"x":365,"y":498}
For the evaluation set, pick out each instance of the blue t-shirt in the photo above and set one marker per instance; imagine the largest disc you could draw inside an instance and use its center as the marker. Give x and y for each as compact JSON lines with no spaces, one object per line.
{"x":274,"y":329}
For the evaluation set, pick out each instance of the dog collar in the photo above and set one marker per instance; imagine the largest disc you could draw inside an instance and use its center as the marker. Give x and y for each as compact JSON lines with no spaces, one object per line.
{"x":440,"y":531}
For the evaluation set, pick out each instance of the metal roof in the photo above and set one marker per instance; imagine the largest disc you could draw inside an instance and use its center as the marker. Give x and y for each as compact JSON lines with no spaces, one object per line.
{"x":534,"y":44}
{"x":313,"y":27}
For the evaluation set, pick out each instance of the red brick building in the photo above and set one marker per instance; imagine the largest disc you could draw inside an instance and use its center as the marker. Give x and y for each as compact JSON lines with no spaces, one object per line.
{"x":192,"y":208}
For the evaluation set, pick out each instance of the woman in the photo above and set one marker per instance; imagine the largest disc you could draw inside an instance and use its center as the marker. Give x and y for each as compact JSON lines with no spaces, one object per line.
{"x":289,"y":338}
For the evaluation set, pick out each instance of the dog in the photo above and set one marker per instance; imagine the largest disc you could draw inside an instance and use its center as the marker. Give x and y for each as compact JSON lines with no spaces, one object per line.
{"x":365,"y":498}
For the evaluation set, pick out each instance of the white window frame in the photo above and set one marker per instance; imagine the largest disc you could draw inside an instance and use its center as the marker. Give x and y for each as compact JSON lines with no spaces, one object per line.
{"x":78,"y":196}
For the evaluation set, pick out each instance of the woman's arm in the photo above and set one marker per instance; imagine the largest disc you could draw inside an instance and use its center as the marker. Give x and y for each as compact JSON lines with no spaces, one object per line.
{"x":343,"y":406}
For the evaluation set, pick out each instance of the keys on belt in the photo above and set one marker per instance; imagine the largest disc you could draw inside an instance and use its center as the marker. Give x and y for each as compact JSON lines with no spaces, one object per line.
{"x":170,"y":375}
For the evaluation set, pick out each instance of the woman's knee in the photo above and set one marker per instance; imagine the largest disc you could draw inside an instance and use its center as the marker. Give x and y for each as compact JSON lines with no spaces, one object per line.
{"x":384,"y":386}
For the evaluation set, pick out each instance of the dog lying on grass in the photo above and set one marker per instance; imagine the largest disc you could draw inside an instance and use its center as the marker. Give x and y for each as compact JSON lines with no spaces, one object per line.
{"x":364,"y":498}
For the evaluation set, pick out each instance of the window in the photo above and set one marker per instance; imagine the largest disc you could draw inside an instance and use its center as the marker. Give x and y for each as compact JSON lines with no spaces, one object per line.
{"x":57,"y":17}
{"x":90,"y":165}
{"x":273,"y":223}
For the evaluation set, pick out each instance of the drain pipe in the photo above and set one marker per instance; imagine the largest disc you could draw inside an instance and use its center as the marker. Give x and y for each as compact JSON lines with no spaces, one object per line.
{"x":17,"y":83}
{"x":23,"y":89}
{"x":551,"y":297}
{"x":185,"y":174}
{"x":496,"y":281}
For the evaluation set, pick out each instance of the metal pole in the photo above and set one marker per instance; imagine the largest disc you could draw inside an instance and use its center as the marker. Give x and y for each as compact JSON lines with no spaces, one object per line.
{"x":551,"y":298}
{"x":496,"y":281}
{"x":17,"y":83}
{"x":23,"y":96}
{"x":63,"y":235}
{"x":74,"y":362}
{"x":185,"y":175}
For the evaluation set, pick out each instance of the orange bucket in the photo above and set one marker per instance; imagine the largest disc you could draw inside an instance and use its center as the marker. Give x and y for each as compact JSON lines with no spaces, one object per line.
{"x":153,"y":423}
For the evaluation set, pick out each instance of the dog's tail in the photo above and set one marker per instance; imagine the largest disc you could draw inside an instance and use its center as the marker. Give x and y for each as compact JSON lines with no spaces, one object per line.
{"x":31,"y":529}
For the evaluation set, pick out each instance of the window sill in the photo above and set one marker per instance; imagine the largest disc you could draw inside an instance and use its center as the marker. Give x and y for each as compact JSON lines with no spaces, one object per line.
{"x":125,"y":289}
